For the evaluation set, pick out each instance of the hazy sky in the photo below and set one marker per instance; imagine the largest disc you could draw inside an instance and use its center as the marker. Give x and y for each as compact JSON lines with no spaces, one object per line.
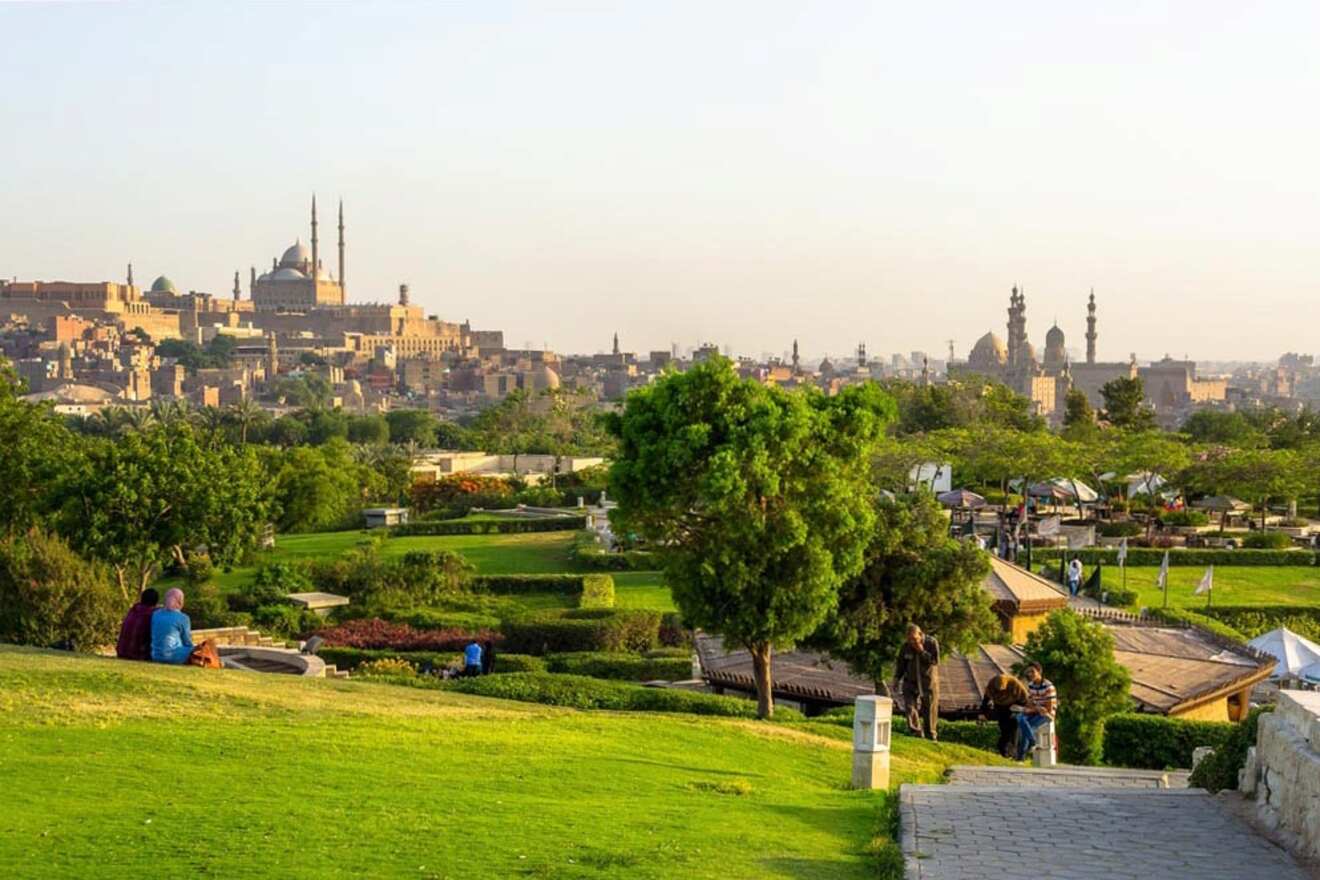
{"x":743,"y":173}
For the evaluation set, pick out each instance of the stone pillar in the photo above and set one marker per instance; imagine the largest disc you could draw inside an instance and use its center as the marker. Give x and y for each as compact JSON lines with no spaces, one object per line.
{"x":872,"y":721}
{"x":1045,"y":754}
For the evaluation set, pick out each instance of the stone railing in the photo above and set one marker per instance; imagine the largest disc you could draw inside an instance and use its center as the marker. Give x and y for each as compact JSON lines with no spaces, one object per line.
{"x":1282,"y":771}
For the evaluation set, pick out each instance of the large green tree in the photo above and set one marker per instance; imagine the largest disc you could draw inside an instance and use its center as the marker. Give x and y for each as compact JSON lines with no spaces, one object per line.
{"x":36,"y":451}
{"x":757,"y":500}
{"x":914,"y":573}
{"x":1125,"y":404}
{"x":150,"y":498}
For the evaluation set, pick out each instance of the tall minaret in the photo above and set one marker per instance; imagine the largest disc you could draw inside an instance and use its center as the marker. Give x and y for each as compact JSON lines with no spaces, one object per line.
{"x":403,"y":294}
{"x":343,"y":287}
{"x":1012,"y":324}
{"x":861,"y":354}
{"x":616,"y":342}
{"x":925,"y":371}
{"x":316,"y":262}
{"x":796,"y":361}
{"x":130,"y":274}
{"x":252,"y":283}
{"x":1090,"y":329}
{"x":238,"y":291}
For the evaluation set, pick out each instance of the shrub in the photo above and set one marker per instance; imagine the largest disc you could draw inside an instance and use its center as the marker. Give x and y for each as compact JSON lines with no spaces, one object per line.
{"x":623,"y":667}
{"x":1195,"y":618}
{"x":51,"y":597}
{"x":1154,"y":742}
{"x":387,"y":667}
{"x":377,"y":633}
{"x":673,"y":632}
{"x":511,"y":526}
{"x":419,"y":577}
{"x":456,"y":489}
{"x":582,"y":630}
{"x":352,"y":658}
{"x":1219,"y":771}
{"x":588,"y":554}
{"x":207,"y":609}
{"x":285,"y":621}
{"x":580,"y":692}
{"x":433,"y":618}
{"x":1078,"y":656}
{"x":1119,"y":597}
{"x":1184,"y":518}
{"x":1267,"y":541}
{"x":588,"y":590}
{"x":1139,"y":556}
{"x":1125,"y":529}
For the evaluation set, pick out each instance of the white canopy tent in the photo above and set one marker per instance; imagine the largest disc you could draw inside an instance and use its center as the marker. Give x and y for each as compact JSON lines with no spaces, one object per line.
{"x":1294,"y":653}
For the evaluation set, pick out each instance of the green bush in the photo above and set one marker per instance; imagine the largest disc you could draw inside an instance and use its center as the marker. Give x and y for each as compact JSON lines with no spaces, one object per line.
{"x":622,"y":667}
{"x":1267,"y":541}
{"x":588,"y":590}
{"x":1255,"y":620}
{"x":1219,"y":771}
{"x":1140,"y":556}
{"x":558,"y":631}
{"x":351,"y":658}
{"x":580,"y":692}
{"x":51,"y":597}
{"x":510,"y":526}
{"x":1184,"y":518}
{"x":1154,"y":742}
{"x":286,"y":621}
{"x":418,"y":577}
{"x":673,"y":632}
{"x":589,"y":554}
{"x":1125,"y":529}
{"x":207,"y":609}
{"x":1118,"y":597}
{"x":434,"y":618}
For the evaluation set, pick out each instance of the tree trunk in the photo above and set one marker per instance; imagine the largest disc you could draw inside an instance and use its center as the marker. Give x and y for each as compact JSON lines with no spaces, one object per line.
{"x":765,"y":700}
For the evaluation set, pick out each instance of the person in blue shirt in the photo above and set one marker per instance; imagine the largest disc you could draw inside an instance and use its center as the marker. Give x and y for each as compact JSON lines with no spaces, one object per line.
{"x":472,"y":659}
{"x":171,"y":631}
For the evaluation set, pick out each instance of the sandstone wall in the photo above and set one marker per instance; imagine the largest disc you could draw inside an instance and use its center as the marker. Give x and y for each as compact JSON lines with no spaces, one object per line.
{"x":1283,"y":771}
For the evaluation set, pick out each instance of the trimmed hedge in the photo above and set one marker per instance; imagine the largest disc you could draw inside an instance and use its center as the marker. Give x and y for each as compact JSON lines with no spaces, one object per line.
{"x":1255,"y":620}
{"x":580,"y":692}
{"x":589,"y":590}
{"x":590,"y":555}
{"x":1177,"y":556}
{"x":352,"y":658}
{"x":620,"y":667}
{"x":509,"y":526}
{"x":1267,"y":540}
{"x":1154,"y":742}
{"x":437,"y":618}
{"x":583,"y":629}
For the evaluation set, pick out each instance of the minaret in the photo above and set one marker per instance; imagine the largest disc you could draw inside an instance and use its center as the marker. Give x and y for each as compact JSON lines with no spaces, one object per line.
{"x":343,"y":287}
{"x":861,"y":354}
{"x":616,"y":342}
{"x":1090,"y":329}
{"x":238,"y":291}
{"x":403,"y":294}
{"x":272,"y":359}
{"x":130,"y":274}
{"x":796,"y":361}
{"x":925,"y":371}
{"x":316,"y":261}
{"x":1012,"y":325}
{"x":252,"y":284}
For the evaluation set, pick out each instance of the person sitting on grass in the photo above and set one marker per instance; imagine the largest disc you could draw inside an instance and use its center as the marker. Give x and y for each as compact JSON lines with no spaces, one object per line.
{"x":135,"y":632}
{"x":171,"y":636}
{"x":472,"y":660}
{"x":1042,"y":703}
{"x":1003,"y":695}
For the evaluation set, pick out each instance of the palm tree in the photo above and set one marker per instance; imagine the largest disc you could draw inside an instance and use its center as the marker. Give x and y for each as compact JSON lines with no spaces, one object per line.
{"x":244,"y":414}
{"x":137,"y":419}
{"x":212,"y":418}
{"x":172,"y":411}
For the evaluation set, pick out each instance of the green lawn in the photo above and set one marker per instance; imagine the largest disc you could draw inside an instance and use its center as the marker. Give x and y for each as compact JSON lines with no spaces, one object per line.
{"x":531,"y":553}
{"x":1233,"y":585}
{"x":642,"y":589}
{"x":113,"y":769}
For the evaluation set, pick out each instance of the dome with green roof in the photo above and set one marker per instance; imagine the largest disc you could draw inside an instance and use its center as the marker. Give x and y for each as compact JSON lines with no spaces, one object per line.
{"x":163,"y":285}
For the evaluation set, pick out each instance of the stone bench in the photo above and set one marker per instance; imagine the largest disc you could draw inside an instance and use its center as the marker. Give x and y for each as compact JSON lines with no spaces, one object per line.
{"x":319,"y":602}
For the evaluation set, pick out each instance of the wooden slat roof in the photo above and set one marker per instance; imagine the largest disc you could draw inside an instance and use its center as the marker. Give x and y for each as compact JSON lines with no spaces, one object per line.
{"x":1020,"y":590}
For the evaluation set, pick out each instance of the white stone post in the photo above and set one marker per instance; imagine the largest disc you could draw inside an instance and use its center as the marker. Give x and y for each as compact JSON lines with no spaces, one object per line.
{"x":1045,"y":755}
{"x":872,"y":721}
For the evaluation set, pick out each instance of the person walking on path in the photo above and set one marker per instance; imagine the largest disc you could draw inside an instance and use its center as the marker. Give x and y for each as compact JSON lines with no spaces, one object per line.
{"x":1075,"y":576}
{"x":919,"y":681}
{"x":1003,"y":695}
{"x":1042,"y":703}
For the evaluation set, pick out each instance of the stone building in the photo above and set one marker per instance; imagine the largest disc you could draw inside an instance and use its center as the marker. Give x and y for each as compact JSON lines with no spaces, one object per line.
{"x":298,"y":279}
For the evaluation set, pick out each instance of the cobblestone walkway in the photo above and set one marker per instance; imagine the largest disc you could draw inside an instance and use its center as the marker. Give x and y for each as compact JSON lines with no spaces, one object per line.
{"x":970,"y":832}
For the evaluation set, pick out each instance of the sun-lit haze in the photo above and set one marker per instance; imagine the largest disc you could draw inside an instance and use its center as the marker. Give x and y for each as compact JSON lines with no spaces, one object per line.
{"x":741,"y":173}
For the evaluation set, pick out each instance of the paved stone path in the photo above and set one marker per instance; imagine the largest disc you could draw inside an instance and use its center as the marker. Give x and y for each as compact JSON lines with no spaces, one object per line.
{"x":1062,"y":776}
{"x":970,"y":832}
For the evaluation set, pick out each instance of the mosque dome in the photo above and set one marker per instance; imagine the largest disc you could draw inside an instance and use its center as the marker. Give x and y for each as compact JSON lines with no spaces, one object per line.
{"x":1055,"y":356}
{"x":1054,"y":337}
{"x":287,"y":274}
{"x":163,"y":285}
{"x":826,"y":367}
{"x":297,"y":254}
{"x":989,"y":352}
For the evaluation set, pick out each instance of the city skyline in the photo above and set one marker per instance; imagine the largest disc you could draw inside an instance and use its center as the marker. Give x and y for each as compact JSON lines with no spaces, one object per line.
{"x":832,"y":175}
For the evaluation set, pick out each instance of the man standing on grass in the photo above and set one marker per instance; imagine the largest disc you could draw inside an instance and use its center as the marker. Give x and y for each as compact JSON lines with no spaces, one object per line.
{"x":1042,"y":703}
{"x":472,"y":660}
{"x":919,"y":681}
{"x":1003,"y":695}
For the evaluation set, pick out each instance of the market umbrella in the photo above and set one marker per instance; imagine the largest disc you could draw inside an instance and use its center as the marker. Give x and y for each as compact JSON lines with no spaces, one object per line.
{"x":961,"y":499}
{"x":1293,"y":652}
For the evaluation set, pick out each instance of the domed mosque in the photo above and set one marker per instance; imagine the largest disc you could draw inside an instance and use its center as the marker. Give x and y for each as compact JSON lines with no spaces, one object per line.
{"x":298,"y":279}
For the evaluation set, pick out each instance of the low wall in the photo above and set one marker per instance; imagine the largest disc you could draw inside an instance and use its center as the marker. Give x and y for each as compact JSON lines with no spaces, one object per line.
{"x":1283,"y":770}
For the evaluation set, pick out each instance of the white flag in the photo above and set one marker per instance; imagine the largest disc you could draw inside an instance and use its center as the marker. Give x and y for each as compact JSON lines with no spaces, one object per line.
{"x":1163,"y":581}
{"x":1122,"y":551}
{"x":1207,"y":582}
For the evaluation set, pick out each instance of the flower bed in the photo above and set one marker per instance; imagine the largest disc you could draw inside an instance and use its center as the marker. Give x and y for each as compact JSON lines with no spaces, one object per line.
{"x":382,"y":634}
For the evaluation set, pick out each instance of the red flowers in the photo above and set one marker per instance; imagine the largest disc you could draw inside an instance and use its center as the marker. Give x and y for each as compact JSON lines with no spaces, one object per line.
{"x":381,"y":634}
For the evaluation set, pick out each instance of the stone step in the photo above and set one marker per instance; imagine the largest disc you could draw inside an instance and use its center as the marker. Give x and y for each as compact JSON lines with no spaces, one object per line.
{"x":1062,"y":776}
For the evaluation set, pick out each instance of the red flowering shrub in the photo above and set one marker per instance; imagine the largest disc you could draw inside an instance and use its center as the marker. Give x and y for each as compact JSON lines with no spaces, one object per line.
{"x":459,"y":490}
{"x":374,"y":633}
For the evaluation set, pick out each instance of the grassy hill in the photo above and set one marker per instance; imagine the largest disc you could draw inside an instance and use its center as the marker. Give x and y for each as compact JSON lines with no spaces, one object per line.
{"x":117,"y":769}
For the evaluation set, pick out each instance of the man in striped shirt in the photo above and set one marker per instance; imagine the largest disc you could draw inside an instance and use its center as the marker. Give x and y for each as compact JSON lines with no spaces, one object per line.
{"x":1042,"y":702}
